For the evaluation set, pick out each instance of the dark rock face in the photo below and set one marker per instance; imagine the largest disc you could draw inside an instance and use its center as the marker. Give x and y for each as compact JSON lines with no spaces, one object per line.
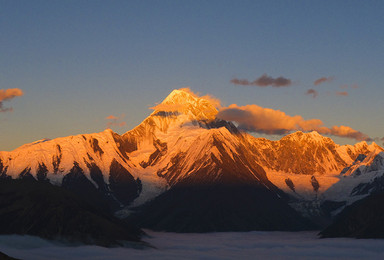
{"x":56,"y":159}
{"x":41,"y":174}
{"x":125,"y":144}
{"x":95,"y":146}
{"x":121,"y":191}
{"x":44,"y":210}
{"x":363,"y":219}
{"x":315,"y":183}
{"x":1,"y":167}
{"x":76,"y":182}
{"x":3,"y":171}
{"x":211,"y":208}
{"x":217,"y":123}
{"x":161,"y":150}
{"x":290,"y":184}
{"x":26,"y":174}
{"x":123,"y":184}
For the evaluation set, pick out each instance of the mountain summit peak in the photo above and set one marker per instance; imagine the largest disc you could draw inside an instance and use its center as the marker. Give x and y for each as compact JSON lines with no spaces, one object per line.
{"x":182,"y":95}
{"x":184,"y":101}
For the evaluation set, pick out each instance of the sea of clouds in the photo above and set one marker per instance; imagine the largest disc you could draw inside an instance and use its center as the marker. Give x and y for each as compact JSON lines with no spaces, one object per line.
{"x":226,"y":245}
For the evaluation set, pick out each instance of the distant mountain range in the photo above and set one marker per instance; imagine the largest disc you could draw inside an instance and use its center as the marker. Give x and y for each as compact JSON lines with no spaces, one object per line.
{"x":183,"y":169}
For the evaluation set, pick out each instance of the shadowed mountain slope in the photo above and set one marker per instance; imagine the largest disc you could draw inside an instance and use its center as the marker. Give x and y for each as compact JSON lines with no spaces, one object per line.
{"x":41,"y":209}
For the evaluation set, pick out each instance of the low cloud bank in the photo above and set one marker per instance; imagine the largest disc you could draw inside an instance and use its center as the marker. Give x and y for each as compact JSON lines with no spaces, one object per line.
{"x":222,"y":245}
{"x":254,"y":118}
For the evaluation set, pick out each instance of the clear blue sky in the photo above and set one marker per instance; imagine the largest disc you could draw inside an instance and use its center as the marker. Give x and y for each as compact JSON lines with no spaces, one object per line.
{"x":81,"y":61}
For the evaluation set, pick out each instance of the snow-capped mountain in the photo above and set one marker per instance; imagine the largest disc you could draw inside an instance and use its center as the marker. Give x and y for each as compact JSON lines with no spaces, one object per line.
{"x":182,"y":144}
{"x":138,"y":165}
{"x":364,"y":177}
{"x":89,"y":164}
{"x":299,"y":160}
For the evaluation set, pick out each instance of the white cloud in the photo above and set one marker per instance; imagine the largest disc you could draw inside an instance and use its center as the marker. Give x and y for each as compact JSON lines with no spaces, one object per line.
{"x":221,"y":245}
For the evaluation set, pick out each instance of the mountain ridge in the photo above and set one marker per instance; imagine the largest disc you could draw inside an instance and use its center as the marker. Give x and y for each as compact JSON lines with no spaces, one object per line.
{"x":182,"y":143}
{"x":178,"y":118}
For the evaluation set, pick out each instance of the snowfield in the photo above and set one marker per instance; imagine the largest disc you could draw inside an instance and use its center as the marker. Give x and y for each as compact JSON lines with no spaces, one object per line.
{"x":226,"y":245}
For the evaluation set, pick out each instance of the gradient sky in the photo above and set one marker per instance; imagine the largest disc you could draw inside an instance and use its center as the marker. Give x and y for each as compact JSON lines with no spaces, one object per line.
{"x":78,"y":62}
